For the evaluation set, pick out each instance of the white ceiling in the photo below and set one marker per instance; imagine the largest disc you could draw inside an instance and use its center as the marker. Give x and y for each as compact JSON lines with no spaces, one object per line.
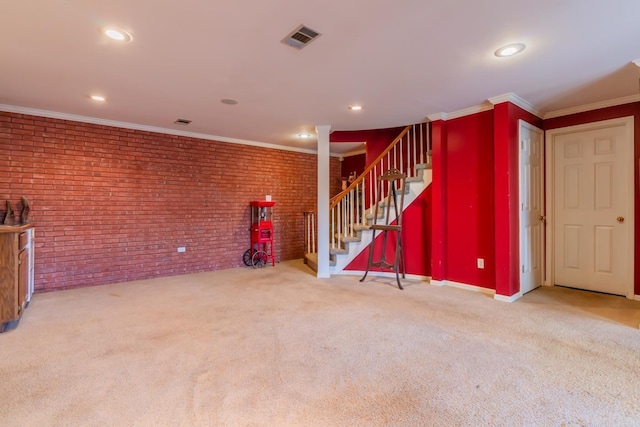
{"x":403,"y":60}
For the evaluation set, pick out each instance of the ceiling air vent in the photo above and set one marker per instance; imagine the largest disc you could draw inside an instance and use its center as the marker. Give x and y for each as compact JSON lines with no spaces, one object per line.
{"x":300,"y":37}
{"x":182,"y":122}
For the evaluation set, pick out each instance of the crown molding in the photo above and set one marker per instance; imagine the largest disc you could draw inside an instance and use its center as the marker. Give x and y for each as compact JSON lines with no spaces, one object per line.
{"x":516,"y":100}
{"x":437,"y":116}
{"x":353,"y":153}
{"x":594,"y":106}
{"x":468,"y":111}
{"x":460,"y":113}
{"x":135,"y":126}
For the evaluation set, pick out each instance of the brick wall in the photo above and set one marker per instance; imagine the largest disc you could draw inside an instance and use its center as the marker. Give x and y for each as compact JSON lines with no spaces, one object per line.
{"x":112,"y":205}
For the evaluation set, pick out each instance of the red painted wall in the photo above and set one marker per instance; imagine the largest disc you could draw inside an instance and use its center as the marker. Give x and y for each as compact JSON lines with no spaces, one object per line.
{"x":377,"y":139}
{"x":632,"y":109}
{"x":112,"y":205}
{"x":416,"y":235}
{"x":355,"y":163}
{"x":469,"y":207}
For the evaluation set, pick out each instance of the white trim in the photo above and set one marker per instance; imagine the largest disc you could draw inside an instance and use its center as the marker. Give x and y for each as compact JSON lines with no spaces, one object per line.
{"x":383,"y":274}
{"x":527,"y":106}
{"x":469,"y":111}
{"x":460,"y":113}
{"x":487,"y":106}
{"x":636,"y":297}
{"x":522,"y":124}
{"x":467,"y":287}
{"x":516,"y":100}
{"x":437,"y":116}
{"x":636,"y":62}
{"x":474,"y":288}
{"x":323,"y":132}
{"x":354,"y":153}
{"x":504,"y":298}
{"x":628,"y":122}
{"x":134,"y":126}
{"x":594,"y":106}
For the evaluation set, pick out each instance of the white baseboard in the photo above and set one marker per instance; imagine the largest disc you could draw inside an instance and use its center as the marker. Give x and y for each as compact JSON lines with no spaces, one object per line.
{"x":505,"y":298}
{"x":383,"y":274}
{"x":464,"y":286}
{"x":451,"y":283}
{"x":636,"y":297}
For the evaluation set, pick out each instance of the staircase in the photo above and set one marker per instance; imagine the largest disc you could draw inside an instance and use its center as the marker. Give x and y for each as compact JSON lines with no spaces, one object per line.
{"x":351,"y":211}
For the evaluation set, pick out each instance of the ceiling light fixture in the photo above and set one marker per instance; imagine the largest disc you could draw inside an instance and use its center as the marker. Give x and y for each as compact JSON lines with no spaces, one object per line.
{"x":118,"y":35}
{"x":509,"y":50}
{"x":98,"y":98}
{"x":229,"y":101}
{"x":304,"y":135}
{"x":355,"y":107}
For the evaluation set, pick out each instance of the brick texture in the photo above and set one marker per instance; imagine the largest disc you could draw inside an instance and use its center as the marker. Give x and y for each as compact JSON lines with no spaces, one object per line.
{"x":113,"y":205}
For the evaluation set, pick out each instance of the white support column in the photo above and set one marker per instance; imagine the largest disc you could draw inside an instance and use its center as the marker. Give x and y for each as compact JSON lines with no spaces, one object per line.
{"x":323,"y":200}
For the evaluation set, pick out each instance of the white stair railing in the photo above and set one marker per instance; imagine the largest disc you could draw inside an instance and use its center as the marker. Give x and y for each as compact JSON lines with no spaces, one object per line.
{"x":349,"y":208}
{"x":310,"y":227}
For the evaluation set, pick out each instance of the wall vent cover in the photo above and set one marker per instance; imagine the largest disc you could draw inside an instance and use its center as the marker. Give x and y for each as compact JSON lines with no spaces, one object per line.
{"x":182,"y":122}
{"x":300,"y":37}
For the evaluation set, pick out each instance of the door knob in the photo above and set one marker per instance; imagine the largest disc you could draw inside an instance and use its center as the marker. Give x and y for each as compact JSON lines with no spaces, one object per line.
{"x":542,"y":218}
{"x":620,"y":219}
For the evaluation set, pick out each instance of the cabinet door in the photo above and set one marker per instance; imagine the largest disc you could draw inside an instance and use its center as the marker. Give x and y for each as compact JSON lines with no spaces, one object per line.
{"x":8,"y":303}
{"x":23,"y":278}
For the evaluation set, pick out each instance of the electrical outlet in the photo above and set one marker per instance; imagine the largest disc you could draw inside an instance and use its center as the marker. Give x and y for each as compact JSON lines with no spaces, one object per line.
{"x":181,"y":249}
{"x":268,"y":197}
{"x":481,"y":263}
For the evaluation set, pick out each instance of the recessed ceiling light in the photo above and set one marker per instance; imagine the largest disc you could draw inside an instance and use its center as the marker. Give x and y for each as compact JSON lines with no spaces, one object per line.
{"x":229,"y":101}
{"x":509,"y":50}
{"x":304,"y":135}
{"x":355,"y":107}
{"x":98,"y":98}
{"x":118,"y":35}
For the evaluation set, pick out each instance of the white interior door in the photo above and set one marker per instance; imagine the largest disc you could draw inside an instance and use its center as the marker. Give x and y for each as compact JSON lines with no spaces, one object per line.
{"x":592,"y":198}
{"x":531,"y":207}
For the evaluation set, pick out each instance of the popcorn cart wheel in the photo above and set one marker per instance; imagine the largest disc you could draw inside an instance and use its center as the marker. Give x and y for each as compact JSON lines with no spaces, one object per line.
{"x":255,"y":259}
{"x":259,"y":259}
{"x":247,"y":257}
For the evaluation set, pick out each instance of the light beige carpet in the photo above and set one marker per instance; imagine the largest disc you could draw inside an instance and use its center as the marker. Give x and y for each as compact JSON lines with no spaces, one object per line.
{"x":278,"y":347}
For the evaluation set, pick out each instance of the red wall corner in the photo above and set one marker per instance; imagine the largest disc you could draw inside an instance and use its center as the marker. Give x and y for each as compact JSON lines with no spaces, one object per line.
{"x":468,"y":200}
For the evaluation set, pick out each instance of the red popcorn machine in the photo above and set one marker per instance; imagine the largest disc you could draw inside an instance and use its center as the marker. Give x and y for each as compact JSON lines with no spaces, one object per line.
{"x":261,"y":250}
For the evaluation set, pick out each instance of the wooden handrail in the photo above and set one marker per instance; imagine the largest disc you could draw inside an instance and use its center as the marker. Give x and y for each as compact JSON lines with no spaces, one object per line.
{"x":336,"y":199}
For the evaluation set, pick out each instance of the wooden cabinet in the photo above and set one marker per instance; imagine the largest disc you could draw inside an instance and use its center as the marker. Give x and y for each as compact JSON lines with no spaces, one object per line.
{"x":16,"y":271}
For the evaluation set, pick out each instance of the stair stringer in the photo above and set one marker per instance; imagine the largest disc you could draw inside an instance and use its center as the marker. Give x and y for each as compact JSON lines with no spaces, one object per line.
{"x":354,"y":247}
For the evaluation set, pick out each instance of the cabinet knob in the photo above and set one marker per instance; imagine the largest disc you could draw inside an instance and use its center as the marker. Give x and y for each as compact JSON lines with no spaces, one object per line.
{"x":620,"y":219}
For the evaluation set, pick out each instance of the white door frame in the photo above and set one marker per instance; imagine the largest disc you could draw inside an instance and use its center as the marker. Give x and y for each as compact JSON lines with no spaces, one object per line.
{"x":523,"y":124}
{"x":549,"y":190}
